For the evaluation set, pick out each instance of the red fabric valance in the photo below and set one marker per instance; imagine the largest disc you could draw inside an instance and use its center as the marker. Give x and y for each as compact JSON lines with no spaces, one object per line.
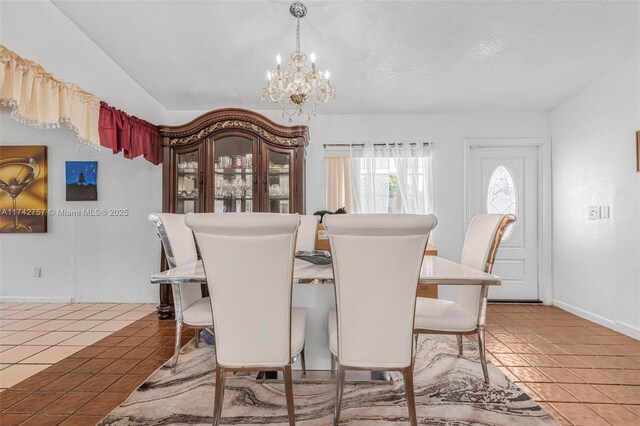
{"x":120,"y":131}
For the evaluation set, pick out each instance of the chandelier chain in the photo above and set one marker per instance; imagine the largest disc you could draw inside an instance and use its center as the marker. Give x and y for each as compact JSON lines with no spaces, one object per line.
{"x":298,"y":36}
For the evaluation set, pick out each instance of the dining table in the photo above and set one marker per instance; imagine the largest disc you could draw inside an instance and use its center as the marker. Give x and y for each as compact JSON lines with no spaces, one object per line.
{"x":313,"y":290}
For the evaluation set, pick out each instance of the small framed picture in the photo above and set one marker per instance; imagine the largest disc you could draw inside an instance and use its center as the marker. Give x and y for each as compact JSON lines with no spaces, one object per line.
{"x":82,"y":180}
{"x":638,"y":151}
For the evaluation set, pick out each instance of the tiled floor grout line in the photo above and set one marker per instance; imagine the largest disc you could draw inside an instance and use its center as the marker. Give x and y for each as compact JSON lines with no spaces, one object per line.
{"x":573,"y":395}
{"x":48,"y":340}
{"x":539,"y":341}
{"x":118,"y":364}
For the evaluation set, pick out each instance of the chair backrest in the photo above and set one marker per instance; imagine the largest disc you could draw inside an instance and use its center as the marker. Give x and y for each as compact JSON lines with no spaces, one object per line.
{"x":248,"y":259}
{"x":307,"y":232}
{"x":179,"y":249}
{"x":480,"y":246}
{"x":376,"y":262}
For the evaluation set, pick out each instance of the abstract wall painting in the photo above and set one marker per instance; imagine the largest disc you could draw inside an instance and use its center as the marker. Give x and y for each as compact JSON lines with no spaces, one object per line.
{"x":23,"y":189}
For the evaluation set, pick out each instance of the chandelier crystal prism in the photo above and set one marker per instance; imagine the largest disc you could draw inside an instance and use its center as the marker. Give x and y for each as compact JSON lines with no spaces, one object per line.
{"x":299,"y":87}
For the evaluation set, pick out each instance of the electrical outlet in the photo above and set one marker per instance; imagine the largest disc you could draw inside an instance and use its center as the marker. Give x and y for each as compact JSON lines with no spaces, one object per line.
{"x":37,"y":271}
{"x":594,"y":212}
{"x":604,"y":212}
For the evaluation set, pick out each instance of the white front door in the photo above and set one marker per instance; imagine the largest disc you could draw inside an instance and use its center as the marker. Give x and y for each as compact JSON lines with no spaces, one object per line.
{"x":505,"y":180}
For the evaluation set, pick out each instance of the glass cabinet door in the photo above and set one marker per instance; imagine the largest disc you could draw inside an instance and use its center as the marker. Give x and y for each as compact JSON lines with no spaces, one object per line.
{"x":189,"y":182}
{"x":278,"y":181}
{"x":234,"y":177}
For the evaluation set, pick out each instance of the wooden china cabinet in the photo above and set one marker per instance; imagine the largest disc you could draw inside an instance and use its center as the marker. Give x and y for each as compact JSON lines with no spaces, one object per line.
{"x":231,"y":160}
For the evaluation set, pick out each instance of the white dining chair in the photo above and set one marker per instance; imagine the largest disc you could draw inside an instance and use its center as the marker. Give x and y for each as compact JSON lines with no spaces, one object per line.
{"x":307,"y":232}
{"x":248,"y":260}
{"x":191,"y":309}
{"x":376,"y":262}
{"x":467,"y":315}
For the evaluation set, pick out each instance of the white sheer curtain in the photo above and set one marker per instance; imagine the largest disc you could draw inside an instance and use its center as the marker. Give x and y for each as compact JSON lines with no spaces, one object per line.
{"x":369,"y":179}
{"x":393,"y":178}
{"x":414,"y":175}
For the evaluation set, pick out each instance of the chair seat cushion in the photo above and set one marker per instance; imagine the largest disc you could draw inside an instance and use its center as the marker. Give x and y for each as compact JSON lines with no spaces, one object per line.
{"x":443,"y":315}
{"x":199,"y":314}
{"x":298,"y":326}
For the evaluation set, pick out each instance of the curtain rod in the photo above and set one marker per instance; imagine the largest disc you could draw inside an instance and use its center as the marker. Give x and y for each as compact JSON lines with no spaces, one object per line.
{"x":375,"y":144}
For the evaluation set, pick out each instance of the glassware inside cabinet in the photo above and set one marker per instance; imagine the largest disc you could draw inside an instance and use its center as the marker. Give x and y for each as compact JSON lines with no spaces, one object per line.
{"x":278,"y":179}
{"x":188,"y":183}
{"x":233,"y":174}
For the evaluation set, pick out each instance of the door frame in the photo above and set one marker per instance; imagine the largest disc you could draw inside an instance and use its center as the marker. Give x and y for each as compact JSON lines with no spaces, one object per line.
{"x":543,"y":146}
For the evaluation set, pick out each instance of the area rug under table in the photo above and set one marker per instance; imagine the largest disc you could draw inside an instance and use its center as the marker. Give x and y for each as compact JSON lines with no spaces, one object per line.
{"x":449,"y":391}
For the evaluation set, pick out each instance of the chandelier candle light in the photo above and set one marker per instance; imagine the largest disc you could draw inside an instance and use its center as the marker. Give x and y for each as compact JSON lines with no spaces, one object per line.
{"x":298,"y":83}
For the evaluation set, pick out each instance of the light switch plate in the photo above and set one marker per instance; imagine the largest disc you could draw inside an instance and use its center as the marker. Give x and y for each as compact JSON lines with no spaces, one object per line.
{"x":604,"y":212}
{"x":594,"y":212}
{"x":37,"y":271}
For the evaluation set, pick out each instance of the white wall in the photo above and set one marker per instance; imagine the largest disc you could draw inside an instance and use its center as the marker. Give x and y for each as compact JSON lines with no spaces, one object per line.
{"x":109,"y":259}
{"x":597,"y":263}
{"x":82,"y":258}
{"x":447,"y":131}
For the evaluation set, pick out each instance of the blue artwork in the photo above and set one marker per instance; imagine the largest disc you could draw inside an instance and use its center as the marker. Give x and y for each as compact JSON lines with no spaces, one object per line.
{"x":82,"y":180}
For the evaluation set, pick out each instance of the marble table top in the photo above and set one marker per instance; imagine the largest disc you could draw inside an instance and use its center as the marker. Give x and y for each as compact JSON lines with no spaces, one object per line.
{"x":435,"y":270}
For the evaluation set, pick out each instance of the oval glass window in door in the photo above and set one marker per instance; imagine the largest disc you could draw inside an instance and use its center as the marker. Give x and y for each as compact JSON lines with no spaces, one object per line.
{"x":501,"y":195}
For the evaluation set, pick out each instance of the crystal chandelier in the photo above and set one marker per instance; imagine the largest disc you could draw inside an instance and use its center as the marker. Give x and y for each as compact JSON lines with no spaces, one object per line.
{"x":298,"y":84}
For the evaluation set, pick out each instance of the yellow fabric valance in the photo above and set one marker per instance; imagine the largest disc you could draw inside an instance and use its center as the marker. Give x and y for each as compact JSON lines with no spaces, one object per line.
{"x":38,"y":99}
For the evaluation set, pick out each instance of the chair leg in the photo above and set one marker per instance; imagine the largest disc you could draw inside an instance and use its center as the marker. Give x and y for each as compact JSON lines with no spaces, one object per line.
{"x":288,"y":389}
{"x":176,"y":350}
{"x":483,"y":355}
{"x":219,"y":396}
{"x":339,"y":388}
{"x":408,"y":389}
{"x":196,"y":339}
{"x":303,"y":363}
{"x":415,"y":340}
{"x":460,"y":345}
{"x":333,"y":363}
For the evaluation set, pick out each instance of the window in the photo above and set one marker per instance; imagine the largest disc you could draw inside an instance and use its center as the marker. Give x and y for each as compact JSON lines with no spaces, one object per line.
{"x":379,"y":187}
{"x":501,"y":195}
{"x":381,"y":179}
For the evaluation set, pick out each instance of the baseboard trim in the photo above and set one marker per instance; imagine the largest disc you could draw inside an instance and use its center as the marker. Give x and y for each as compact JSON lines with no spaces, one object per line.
{"x":621,"y":327}
{"x":629,"y":330}
{"x":22,"y":299}
{"x":606,"y":322}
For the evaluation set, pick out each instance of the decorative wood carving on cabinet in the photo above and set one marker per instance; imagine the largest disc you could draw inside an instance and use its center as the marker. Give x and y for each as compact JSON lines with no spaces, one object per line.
{"x":231,"y":160}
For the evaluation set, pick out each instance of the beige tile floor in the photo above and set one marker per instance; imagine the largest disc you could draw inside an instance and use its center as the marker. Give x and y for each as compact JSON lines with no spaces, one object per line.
{"x":34,"y":336}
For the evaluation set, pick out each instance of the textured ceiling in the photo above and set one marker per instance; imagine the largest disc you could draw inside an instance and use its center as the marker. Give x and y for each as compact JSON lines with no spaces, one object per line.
{"x":384,"y":56}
